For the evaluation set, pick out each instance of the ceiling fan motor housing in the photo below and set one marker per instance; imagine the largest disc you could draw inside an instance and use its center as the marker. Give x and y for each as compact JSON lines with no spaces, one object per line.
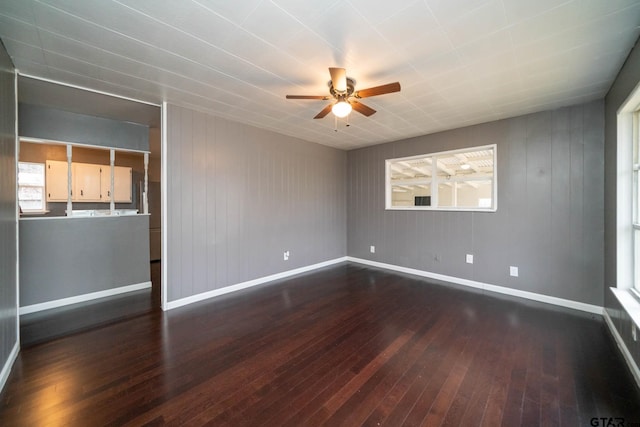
{"x":351,"y":83}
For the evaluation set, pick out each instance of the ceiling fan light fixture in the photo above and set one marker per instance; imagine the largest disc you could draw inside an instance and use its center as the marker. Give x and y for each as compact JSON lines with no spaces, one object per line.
{"x":341,"y":109}
{"x":342,"y":90}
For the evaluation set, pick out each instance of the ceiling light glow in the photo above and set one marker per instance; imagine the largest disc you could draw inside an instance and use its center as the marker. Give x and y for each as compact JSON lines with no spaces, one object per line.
{"x":341,"y":109}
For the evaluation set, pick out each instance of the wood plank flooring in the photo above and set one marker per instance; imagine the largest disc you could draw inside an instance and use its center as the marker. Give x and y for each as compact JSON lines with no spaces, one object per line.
{"x":44,"y":326}
{"x":347,"y":345}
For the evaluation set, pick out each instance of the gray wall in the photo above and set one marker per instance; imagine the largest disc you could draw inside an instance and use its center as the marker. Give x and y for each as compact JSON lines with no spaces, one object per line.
{"x":549,"y":220}
{"x":628,"y":78}
{"x":238,"y":197}
{"x":65,"y":257}
{"x":62,"y":258}
{"x":8,"y":209}
{"x":50,"y":123}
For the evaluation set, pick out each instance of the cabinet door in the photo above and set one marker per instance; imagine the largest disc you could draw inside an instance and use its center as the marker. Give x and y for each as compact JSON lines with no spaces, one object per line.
{"x":122,"y":184}
{"x":56,"y":176}
{"x":105,"y":184}
{"x":86,"y":182}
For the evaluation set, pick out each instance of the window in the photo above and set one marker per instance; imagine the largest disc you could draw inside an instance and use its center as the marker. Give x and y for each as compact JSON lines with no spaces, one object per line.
{"x":636,"y":200}
{"x":31,"y":187}
{"x":451,"y":180}
{"x":627,"y":212}
{"x":627,"y":215}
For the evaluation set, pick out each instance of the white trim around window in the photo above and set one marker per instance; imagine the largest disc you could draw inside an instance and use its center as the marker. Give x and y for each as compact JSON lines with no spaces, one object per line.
{"x":31,"y":187}
{"x":455,"y":180}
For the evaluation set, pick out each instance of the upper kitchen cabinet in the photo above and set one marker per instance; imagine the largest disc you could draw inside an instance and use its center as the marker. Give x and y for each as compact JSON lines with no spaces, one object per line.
{"x":56,"y":182}
{"x":122,"y":184}
{"x":86,"y":180}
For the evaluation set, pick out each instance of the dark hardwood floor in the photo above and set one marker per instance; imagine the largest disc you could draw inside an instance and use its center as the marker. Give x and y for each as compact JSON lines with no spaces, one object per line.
{"x":40,"y":327}
{"x":346,"y":345}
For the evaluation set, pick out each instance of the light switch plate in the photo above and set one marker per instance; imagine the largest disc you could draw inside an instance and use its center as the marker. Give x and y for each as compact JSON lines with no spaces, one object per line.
{"x":513,"y":271}
{"x":469,"y":259}
{"x":373,"y":249}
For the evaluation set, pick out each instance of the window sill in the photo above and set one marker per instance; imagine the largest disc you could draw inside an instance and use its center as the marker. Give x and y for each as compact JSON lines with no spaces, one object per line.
{"x":440,"y":209}
{"x":629,"y":302}
{"x":31,"y":213}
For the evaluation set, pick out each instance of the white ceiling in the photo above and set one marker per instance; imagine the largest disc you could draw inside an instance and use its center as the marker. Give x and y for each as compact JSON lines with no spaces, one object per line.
{"x":459,"y":62}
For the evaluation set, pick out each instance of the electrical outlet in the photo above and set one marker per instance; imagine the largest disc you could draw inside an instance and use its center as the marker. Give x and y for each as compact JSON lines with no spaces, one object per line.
{"x":469,"y":259}
{"x":286,"y":255}
{"x":513,"y":271}
{"x":372,"y":249}
{"x":634,"y":332}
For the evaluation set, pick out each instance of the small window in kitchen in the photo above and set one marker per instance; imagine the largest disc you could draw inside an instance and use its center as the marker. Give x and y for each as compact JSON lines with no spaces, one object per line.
{"x":31,"y":192}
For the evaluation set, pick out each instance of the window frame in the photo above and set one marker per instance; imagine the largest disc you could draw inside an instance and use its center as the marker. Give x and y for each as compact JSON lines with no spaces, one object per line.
{"x":434,"y":181}
{"x":43,"y":187}
{"x":635,"y":204}
{"x":627,"y":131}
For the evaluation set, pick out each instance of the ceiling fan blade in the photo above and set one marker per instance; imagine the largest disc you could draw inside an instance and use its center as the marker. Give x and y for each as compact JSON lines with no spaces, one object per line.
{"x":378,"y":90}
{"x":308,"y":97}
{"x":361,"y":108}
{"x":339,"y":79}
{"x":324,"y":112}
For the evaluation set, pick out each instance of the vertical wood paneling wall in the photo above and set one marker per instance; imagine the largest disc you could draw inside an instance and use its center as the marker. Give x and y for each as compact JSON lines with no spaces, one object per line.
{"x":59,"y":125}
{"x":67,"y":257}
{"x":627,"y":80}
{"x":8,"y":229}
{"x":550,"y":217}
{"x":238,"y":197}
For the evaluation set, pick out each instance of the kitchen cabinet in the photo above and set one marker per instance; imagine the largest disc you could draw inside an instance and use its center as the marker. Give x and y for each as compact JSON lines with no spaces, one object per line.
{"x":56,"y":178}
{"x":90,"y":183}
{"x":121,"y":184}
{"x":86,"y":182}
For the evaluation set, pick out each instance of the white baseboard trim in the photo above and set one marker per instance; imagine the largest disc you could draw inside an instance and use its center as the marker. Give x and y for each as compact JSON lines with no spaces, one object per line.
{"x":250,"y":283}
{"x":633,"y":367}
{"x":485,"y":286}
{"x":6,"y":369}
{"x":27,"y":309}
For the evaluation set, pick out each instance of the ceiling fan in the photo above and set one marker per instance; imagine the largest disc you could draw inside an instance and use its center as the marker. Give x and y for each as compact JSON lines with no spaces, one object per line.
{"x":342,"y":89}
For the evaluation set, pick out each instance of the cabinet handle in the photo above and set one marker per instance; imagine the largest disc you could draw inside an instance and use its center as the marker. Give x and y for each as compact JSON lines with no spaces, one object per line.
{"x":81,"y":193}
{"x":108,"y":193}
